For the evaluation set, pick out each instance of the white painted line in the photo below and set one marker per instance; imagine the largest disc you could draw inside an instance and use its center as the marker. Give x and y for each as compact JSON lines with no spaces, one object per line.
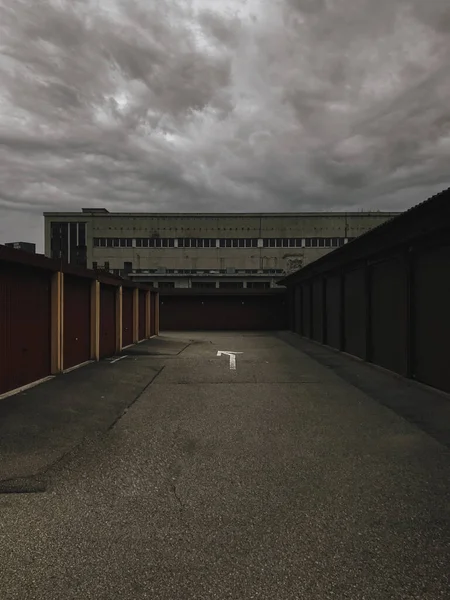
{"x":232,"y":356}
{"x":83,"y":364}
{"x":117,"y":359}
{"x":26,"y":387}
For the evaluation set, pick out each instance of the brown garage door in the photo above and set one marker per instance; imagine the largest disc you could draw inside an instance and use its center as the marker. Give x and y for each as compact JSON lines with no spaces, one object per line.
{"x":153,"y":301}
{"x":107,"y":320}
{"x":77,"y":321}
{"x":127,"y":317}
{"x":209,"y":313}
{"x":25,"y":325}
{"x":142,"y":312}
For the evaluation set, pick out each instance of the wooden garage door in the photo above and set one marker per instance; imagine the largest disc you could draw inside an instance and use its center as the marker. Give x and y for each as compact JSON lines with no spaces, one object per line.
{"x":25,"y":326}
{"x":127,"y":316}
{"x":107,"y":320}
{"x":77,"y":321}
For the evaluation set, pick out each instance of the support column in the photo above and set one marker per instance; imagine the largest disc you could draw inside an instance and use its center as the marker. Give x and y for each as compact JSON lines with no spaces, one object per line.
{"x":135,"y":316}
{"x":147,"y":314}
{"x":119,"y":319}
{"x":95,"y":320}
{"x":56,"y":322}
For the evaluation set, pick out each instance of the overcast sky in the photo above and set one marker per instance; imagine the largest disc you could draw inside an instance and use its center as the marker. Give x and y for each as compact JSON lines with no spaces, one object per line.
{"x":153,"y":105}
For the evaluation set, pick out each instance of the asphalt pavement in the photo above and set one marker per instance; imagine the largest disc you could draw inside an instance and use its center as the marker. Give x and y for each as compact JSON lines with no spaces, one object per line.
{"x":284,"y":478}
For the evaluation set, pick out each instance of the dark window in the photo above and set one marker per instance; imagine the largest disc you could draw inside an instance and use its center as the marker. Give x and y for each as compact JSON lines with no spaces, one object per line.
{"x":258,"y":284}
{"x":127,"y":266}
{"x":222,"y":243}
{"x":203,"y":284}
{"x":82,"y":234}
{"x":322,"y":242}
{"x":106,"y":265}
{"x":59,"y":233}
{"x":231,"y":284}
{"x":241,"y":243}
{"x":96,"y":242}
{"x":166,"y":284}
{"x":94,"y":264}
{"x":308,"y":243}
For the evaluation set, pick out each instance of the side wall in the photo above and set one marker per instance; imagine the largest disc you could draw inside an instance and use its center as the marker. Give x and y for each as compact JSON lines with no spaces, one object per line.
{"x":392,"y":310}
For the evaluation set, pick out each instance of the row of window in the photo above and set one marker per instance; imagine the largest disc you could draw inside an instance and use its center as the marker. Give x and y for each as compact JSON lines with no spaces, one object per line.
{"x":128,"y":268}
{"x":222,"y":285}
{"x":315,"y":242}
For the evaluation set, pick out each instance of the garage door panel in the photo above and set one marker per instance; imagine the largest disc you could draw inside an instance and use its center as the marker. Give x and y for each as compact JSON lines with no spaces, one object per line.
{"x":25,"y":325}
{"x":432,"y":317}
{"x":355,"y":312}
{"x":127,"y":317}
{"x":142,"y":315}
{"x":389,"y":315}
{"x":107,"y":321}
{"x":77,"y":321}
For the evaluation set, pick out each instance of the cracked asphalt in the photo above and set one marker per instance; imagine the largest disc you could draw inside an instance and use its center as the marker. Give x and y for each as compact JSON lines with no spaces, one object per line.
{"x":280,"y":480}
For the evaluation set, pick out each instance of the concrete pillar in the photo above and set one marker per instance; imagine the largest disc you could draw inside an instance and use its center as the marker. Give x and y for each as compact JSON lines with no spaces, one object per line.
{"x":95,"y":320}
{"x":119,"y":319}
{"x":57,"y":322}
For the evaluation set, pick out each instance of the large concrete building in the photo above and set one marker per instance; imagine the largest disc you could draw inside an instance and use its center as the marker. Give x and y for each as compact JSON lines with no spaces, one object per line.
{"x":201,"y":250}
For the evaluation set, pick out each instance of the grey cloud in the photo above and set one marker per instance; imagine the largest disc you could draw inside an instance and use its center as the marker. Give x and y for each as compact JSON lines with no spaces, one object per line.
{"x":288,"y":105}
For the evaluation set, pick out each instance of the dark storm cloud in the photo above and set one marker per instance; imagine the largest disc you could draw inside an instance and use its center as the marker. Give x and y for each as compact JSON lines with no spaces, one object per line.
{"x":206,"y":105}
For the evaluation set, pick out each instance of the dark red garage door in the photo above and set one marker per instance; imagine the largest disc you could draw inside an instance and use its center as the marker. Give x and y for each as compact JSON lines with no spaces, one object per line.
{"x":107,"y":320}
{"x":25,"y":326}
{"x":77,"y":321}
{"x":142,"y":315}
{"x":153,"y":300}
{"x":127,"y":317}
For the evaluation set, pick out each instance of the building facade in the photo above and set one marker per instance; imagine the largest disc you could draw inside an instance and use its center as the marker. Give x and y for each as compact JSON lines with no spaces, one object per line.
{"x":206,"y":250}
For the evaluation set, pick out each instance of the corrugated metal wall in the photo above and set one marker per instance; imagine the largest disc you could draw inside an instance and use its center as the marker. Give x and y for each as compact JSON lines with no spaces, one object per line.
{"x":107,"y":320}
{"x":25,"y":325}
{"x":333,"y":311}
{"x":208,"y":313}
{"x":431,"y":293}
{"x":127,"y":316}
{"x":388,"y":324}
{"x":77,"y":321}
{"x":355,"y":312}
{"x":142,"y":312}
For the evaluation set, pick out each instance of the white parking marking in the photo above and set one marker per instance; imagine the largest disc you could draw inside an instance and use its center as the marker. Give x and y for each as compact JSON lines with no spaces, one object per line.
{"x":232,"y":356}
{"x":117,"y":359}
